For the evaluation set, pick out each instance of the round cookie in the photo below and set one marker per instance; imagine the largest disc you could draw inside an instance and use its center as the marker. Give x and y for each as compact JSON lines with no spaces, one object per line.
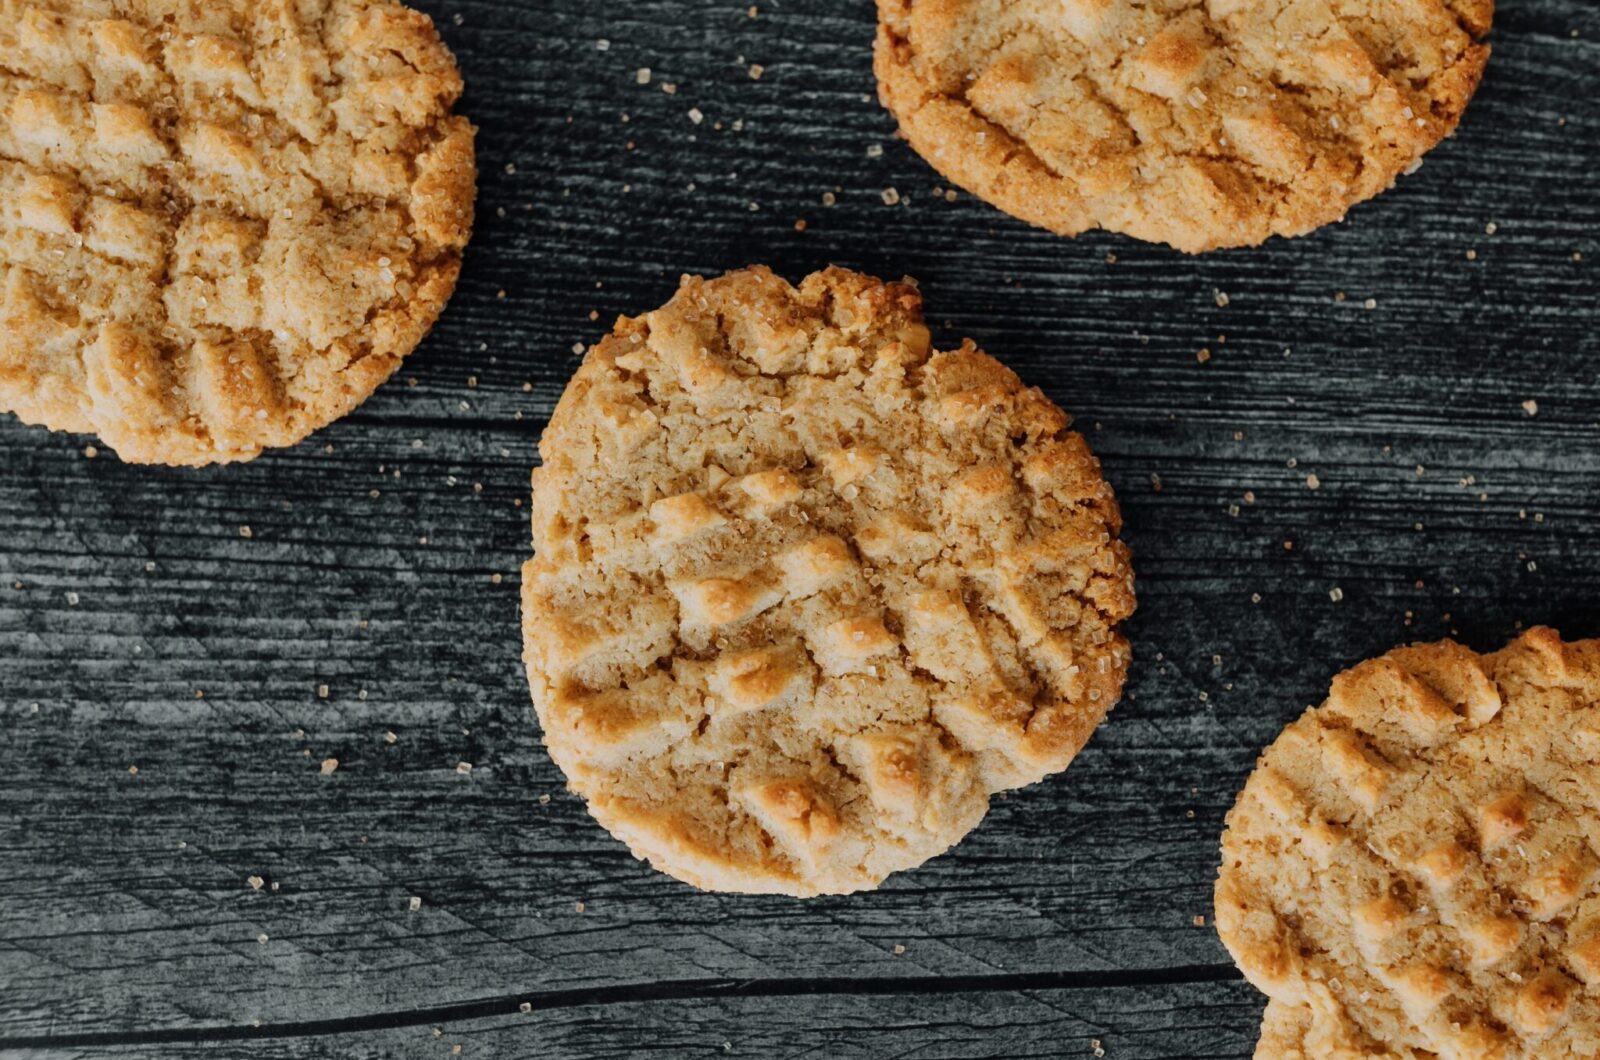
{"x":1413,"y":869}
{"x":222,"y":224}
{"x":806,"y":591}
{"x":1198,"y":123}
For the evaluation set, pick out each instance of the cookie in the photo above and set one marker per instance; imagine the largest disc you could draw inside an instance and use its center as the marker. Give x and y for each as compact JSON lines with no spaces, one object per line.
{"x":1413,"y":869}
{"x":222,"y":224}
{"x":1198,"y":123}
{"x":806,"y":591}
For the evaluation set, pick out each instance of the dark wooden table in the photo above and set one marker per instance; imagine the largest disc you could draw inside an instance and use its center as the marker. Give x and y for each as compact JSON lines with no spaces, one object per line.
{"x":163,"y":715}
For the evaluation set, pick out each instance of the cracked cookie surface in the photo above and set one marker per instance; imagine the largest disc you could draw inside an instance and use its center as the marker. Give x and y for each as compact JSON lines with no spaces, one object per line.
{"x":1413,"y":869}
{"x":807,"y":591}
{"x":1197,"y":123}
{"x":222,"y":224}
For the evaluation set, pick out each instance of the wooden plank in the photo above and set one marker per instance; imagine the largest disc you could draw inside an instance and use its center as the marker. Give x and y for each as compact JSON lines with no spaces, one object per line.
{"x":1209,"y":1022}
{"x":370,"y":562}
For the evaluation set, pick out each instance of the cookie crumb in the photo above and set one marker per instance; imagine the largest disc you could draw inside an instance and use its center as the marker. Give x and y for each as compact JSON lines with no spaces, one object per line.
{"x":1531,"y":407}
{"x":329,"y":765}
{"x":255,"y":882}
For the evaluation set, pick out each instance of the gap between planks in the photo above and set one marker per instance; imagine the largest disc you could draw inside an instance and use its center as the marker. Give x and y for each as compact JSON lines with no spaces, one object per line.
{"x":644,"y":993}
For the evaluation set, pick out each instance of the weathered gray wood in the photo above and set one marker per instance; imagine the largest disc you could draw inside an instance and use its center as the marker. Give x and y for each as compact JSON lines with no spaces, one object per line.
{"x":1208,"y":1022}
{"x":124,"y":907}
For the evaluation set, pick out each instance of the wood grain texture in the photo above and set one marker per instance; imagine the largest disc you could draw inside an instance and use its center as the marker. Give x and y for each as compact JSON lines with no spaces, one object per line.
{"x":369,"y":567}
{"x":1195,"y":1022}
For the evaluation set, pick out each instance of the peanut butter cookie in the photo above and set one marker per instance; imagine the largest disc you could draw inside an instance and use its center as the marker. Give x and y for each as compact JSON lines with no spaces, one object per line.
{"x":806,"y":591}
{"x":1199,"y":123}
{"x":1412,"y":869}
{"x":222,"y":225}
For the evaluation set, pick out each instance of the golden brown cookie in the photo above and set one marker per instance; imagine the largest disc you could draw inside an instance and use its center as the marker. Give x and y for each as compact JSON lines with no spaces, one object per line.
{"x":1199,"y":123}
{"x":806,"y":591}
{"x":222,"y":224}
{"x":1413,"y":870}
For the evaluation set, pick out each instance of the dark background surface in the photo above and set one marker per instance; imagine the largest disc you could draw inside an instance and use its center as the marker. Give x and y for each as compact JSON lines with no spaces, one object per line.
{"x":141,"y":629}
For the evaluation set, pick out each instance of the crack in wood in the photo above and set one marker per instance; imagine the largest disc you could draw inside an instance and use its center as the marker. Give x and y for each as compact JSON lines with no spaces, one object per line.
{"x":644,"y":993}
